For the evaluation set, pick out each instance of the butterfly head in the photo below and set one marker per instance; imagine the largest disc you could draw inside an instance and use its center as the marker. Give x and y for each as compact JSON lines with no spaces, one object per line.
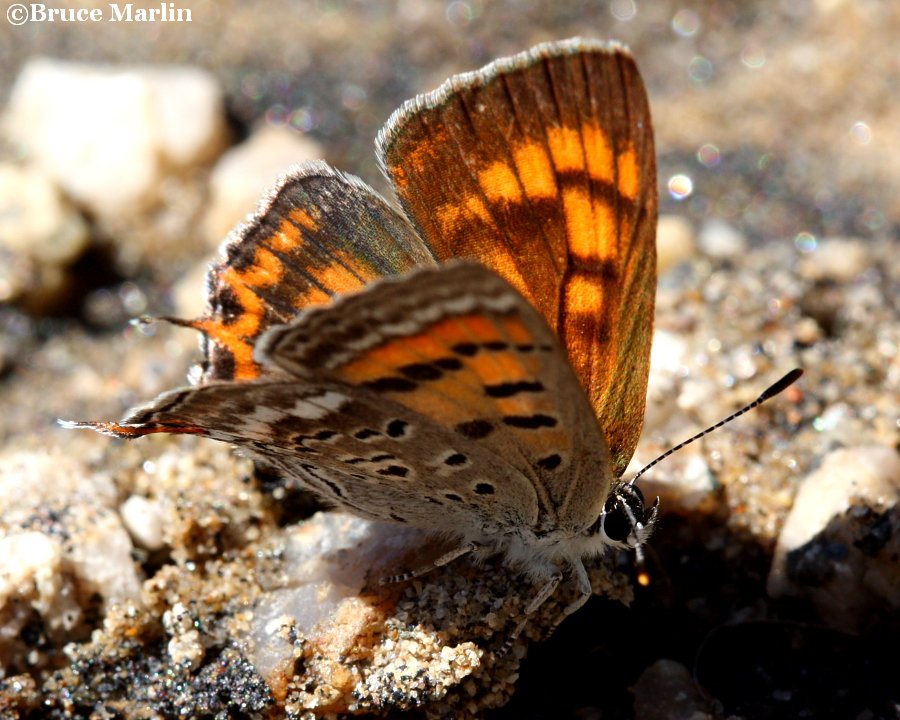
{"x":626,"y":521}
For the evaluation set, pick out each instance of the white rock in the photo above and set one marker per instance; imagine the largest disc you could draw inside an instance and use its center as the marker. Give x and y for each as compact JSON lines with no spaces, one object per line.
{"x":838,"y":259}
{"x":186,"y":646}
{"x":871,"y":473}
{"x":669,"y":353}
{"x":28,"y":562}
{"x":35,"y":219}
{"x":144,"y":520}
{"x":675,"y":241}
{"x":722,"y":240}
{"x":697,"y":394}
{"x":248,"y":170}
{"x":60,"y":542}
{"x":101,"y":555}
{"x":320,"y":594}
{"x":106,"y":135}
{"x":33,"y":578}
{"x":40,"y":235}
{"x":188,"y":109}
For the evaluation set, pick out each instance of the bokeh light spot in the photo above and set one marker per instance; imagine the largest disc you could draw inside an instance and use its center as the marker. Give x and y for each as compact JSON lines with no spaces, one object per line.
{"x":861,"y":133}
{"x":753,"y":56}
{"x":805,"y":242}
{"x":700,"y":70}
{"x":709,"y":156}
{"x":623,"y":10}
{"x":686,"y":23}
{"x":680,"y":186}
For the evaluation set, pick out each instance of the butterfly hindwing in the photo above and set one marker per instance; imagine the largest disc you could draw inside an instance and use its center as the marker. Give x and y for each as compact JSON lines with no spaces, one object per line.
{"x":440,"y":388}
{"x":353,"y":448}
{"x":547,"y":174}
{"x":461,"y":347}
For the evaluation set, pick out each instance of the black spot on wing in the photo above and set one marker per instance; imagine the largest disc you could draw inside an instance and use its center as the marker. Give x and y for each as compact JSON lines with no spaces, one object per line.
{"x":421,"y":371}
{"x":391,"y":384}
{"x":469,"y":349}
{"x":529,"y":422}
{"x":394,"y":471}
{"x":397,"y":428}
{"x":474,"y":429}
{"x":551,"y":462}
{"x":465,"y":349}
{"x":301,"y":440}
{"x":449,"y":363}
{"x":509,"y":389}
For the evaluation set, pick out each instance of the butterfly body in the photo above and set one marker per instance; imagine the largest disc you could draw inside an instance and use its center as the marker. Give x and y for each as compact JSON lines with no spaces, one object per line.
{"x":475,"y":363}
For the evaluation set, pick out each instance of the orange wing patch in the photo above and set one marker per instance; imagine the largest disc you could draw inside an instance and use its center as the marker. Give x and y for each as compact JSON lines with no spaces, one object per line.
{"x":535,"y":171}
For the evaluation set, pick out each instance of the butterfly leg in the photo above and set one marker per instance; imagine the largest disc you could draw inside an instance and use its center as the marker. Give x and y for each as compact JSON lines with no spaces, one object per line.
{"x":444,"y":559}
{"x":584,"y":592}
{"x":547,"y":589}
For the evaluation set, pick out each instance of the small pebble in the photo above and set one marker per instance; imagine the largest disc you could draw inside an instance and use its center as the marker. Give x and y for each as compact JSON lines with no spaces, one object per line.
{"x":836,"y":259}
{"x":721,"y":240}
{"x":666,"y":691}
{"x":40,"y":235}
{"x":144,"y":520}
{"x":675,"y":241}
{"x":821,"y":551}
{"x":108,"y":134}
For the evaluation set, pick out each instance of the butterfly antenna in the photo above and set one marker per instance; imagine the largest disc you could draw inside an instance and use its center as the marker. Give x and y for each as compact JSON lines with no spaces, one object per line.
{"x":767,"y":394}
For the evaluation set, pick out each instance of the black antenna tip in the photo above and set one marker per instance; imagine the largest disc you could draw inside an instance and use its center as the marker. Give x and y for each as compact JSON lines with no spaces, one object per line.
{"x":782,"y":384}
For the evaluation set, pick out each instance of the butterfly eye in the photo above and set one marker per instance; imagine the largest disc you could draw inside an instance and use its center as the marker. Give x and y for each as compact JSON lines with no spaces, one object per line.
{"x":615,"y":523}
{"x":625,"y":520}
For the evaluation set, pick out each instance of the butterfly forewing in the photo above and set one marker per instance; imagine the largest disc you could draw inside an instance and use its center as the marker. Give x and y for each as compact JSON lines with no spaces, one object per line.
{"x":548,"y":177}
{"x":321,"y":232}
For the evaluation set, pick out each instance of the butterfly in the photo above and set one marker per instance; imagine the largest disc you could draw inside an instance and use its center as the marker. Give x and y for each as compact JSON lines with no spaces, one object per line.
{"x":472,"y":360}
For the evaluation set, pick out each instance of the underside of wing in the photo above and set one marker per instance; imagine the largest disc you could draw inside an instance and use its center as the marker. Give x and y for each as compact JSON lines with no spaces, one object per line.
{"x":547,"y":175}
{"x":440,"y":387}
{"x":357,"y":449}
{"x":320,"y":232}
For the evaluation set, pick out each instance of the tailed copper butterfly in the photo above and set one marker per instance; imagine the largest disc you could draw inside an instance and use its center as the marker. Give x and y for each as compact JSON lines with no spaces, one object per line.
{"x":475,"y":362}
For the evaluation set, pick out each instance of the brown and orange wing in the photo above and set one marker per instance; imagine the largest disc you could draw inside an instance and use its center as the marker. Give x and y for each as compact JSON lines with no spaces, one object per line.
{"x":541,"y":166}
{"x":320,"y":232}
